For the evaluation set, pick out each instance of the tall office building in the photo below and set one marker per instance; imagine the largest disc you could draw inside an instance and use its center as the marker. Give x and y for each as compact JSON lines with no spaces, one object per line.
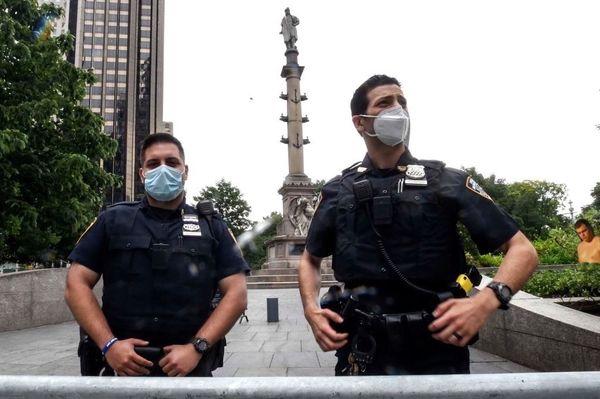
{"x":121,"y":41}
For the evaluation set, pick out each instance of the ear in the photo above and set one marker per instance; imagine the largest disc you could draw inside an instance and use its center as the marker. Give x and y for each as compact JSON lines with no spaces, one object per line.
{"x":141,"y":173}
{"x":185,"y":173}
{"x":358,"y":124}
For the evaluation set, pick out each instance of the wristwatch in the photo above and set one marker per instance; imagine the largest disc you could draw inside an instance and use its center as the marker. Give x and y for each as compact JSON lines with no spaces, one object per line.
{"x":200,"y":344}
{"x":502,"y":292}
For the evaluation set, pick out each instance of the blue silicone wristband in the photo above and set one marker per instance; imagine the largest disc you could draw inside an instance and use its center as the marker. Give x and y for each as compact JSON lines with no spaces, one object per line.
{"x":107,"y":345}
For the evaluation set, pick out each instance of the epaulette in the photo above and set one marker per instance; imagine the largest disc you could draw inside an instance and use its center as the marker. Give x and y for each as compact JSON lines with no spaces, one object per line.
{"x":439,"y":165}
{"x":127,"y":203}
{"x":353,"y":166}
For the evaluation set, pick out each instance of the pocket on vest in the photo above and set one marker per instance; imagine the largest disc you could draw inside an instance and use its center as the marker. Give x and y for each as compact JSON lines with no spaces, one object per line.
{"x":122,"y":249}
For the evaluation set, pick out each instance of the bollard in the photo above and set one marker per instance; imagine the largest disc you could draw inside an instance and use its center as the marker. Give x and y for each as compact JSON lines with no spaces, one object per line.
{"x":272,"y":310}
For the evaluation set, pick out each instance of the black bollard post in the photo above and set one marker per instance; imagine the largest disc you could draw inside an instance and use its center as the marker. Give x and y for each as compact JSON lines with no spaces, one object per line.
{"x":272,"y":310}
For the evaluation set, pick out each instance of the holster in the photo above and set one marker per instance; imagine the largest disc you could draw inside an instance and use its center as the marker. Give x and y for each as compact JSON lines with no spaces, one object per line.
{"x":216,"y":355}
{"x":91,"y":361}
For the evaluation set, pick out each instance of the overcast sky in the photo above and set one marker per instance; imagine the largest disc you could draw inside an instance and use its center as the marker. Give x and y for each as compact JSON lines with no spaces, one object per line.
{"x":510,"y":87}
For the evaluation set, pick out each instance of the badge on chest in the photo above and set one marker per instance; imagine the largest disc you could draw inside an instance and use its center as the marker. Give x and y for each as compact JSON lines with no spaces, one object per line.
{"x":414,"y":175}
{"x":191,"y":226}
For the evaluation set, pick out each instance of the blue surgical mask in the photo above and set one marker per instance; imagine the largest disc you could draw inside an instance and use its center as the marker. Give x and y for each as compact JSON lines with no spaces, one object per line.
{"x":163,"y":183}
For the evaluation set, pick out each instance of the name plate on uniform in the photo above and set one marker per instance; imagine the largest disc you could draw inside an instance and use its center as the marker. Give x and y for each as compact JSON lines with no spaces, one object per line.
{"x":411,"y":182}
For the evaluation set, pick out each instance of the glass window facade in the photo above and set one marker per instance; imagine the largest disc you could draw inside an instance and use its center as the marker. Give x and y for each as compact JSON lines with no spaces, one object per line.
{"x":108,"y":28}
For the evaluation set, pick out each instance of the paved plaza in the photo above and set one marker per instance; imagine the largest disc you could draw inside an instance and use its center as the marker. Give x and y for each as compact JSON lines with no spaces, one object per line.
{"x":254,"y":348}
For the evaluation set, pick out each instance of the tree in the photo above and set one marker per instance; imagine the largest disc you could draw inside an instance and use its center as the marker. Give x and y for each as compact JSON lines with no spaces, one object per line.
{"x":318,"y":184}
{"x":591,"y":212}
{"x":230,"y":202}
{"x":535,"y":205}
{"x":596,"y":195}
{"x":51,"y":148}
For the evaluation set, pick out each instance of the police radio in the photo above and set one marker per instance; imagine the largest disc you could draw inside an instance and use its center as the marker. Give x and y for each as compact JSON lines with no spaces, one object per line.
{"x":205,"y":207}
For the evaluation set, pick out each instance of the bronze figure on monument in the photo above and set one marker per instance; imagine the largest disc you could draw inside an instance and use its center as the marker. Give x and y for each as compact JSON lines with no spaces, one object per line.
{"x":288,"y":29}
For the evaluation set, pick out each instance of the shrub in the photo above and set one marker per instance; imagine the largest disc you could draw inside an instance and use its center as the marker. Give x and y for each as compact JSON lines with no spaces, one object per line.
{"x":579,"y":281}
{"x":559,"y":248}
{"x":489,"y":260}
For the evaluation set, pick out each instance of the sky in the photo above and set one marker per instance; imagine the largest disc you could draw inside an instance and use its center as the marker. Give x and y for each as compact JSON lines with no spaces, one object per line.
{"x":509,"y":87}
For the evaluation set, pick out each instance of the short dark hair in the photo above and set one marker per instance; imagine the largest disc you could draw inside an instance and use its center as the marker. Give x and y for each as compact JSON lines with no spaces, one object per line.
{"x":160,"y":138}
{"x":584,"y":222}
{"x":359,"y":102}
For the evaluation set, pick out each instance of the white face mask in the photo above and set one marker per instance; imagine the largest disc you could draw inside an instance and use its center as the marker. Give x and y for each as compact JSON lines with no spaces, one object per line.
{"x":390,"y":126}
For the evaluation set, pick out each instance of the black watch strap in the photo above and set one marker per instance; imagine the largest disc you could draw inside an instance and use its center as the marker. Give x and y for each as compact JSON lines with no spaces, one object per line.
{"x":503,"y":292}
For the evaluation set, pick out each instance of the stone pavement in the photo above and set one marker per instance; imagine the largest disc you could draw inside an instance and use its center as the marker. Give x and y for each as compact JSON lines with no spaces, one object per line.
{"x":254,"y":348}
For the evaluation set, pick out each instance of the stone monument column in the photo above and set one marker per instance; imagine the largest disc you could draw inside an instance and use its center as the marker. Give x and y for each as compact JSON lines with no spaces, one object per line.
{"x":297,"y":191}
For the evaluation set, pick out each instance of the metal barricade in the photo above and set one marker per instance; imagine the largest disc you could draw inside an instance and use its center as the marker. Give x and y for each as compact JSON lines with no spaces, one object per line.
{"x":581,"y":385}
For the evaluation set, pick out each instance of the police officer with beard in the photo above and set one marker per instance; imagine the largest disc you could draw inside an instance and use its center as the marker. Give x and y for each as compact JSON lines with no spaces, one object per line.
{"x":161,"y":261}
{"x":390,"y":224}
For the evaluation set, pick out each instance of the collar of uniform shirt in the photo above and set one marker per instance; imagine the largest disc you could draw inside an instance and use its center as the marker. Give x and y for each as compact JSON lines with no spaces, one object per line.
{"x":160,"y":213}
{"x":405,"y":159}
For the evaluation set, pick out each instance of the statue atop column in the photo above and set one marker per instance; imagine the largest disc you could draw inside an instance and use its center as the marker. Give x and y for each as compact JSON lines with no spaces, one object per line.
{"x":288,"y":29}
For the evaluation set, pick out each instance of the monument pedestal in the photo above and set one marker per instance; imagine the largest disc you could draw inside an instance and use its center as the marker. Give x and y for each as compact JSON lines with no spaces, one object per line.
{"x":285,"y":250}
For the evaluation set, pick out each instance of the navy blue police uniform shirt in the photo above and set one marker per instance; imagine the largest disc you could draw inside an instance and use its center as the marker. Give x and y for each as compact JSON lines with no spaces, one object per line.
{"x":93,"y":244}
{"x":488,"y":224}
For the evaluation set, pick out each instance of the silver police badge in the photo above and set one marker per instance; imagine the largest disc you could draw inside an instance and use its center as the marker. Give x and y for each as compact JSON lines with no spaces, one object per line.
{"x":415,"y":175}
{"x":415,"y":172}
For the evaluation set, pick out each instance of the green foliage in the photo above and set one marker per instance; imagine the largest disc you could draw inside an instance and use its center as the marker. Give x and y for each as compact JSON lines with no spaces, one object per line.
{"x":489,"y":260}
{"x":51,"y":149}
{"x":534,"y":205}
{"x":256,"y":254}
{"x":319,"y":183}
{"x":559,"y":248}
{"x":596,"y":195}
{"x":592,"y":211}
{"x":231,"y":204}
{"x":579,"y":281}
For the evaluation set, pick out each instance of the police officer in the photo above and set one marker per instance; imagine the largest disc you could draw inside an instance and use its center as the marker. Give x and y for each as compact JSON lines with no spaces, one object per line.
{"x":390,"y":223}
{"x":161,"y":261}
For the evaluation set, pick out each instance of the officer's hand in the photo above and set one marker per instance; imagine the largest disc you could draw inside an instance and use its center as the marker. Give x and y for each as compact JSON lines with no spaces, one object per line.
{"x":123,"y":359}
{"x":458,"y":320}
{"x":327,"y":338}
{"x":180,"y":360}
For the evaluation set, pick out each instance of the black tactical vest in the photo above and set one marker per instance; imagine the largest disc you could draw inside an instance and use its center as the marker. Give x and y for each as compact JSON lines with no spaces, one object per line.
{"x":157,"y":288}
{"x":421,"y":238}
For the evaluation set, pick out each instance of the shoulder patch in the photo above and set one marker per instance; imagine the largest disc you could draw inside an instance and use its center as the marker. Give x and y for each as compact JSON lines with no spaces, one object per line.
{"x":86,"y":230}
{"x":319,"y":199}
{"x":476,"y":188}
